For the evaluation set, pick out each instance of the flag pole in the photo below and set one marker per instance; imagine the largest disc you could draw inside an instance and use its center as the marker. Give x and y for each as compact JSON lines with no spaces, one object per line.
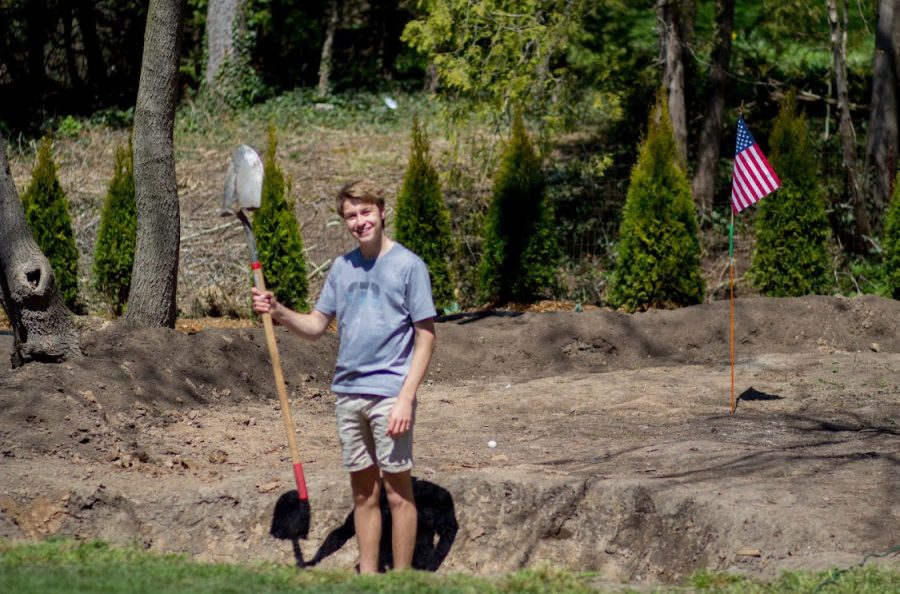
{"x":731,"y":289}
{"x":731,"y":302}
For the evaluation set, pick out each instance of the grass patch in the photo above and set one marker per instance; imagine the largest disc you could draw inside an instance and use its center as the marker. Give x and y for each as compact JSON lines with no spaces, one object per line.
{"x":858,"y":580}
{"x":93,"y":567}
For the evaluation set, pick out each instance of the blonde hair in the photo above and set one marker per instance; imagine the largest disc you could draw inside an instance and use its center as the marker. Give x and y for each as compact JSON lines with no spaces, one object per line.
{"x":364,"y":190}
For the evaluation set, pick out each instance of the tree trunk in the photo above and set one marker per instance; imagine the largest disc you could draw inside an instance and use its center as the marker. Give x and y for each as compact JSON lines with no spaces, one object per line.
{"x":881,"y":139}
{"x":383,"y":19}
{"x":430,"y":86}
{"x":69,"y":47}
{"x":704,"y":184}
{"x":837,"y":19}
{"x":221,"y":19}
{"x":87,"y":23}
{"x":151,"y":301}
{"x":37,"y":37}
{"x":43,"y":329}
{"x":334,"y":10}
{"x":672,"y":49}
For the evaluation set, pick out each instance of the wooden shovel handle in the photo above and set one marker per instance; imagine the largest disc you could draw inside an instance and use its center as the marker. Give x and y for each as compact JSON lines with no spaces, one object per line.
{"x":282,"y":391}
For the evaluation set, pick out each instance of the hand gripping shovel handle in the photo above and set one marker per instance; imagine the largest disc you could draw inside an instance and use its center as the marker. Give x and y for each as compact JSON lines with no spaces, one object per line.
{"x":302,"y":493}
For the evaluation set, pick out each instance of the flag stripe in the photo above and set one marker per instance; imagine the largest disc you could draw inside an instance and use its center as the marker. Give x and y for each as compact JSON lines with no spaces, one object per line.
{"x":745,"y":194}
{"x":766,"y":167}
{"x":759,"y":179}
{"x":739,"y":190}
{"x":748,"y":180}
{"x":763,"y":167}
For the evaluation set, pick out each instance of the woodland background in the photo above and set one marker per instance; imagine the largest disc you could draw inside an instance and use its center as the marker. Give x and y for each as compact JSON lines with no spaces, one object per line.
{"x":584,"y":73}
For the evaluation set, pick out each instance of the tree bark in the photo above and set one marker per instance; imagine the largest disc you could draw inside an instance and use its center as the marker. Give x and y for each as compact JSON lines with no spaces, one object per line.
{"x":151,"y":301}
{"x":37,"y":38}
{"x":221,"y":19}
{"x":87,"y":23}
{"x":327,"y":49}
{"x":430,"y":86}
{"x":43,"y":329}
{"x":837,"y":19}
{"x":881,"y":137}
{"x":68,"y":45}
{"x":710,"y":144}
{"x":672,"y":50}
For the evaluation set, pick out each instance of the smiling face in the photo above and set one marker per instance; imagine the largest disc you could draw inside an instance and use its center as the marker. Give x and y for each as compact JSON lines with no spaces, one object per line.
{"x":364,"y":220}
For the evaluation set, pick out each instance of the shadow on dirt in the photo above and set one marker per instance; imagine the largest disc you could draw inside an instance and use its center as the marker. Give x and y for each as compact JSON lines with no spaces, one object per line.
{"x":469,"y":317}
{"x":855,"y":423}
{"x":872,"y":443}
{"x":290,"y":521}
{"x":437,"y":528}
{"x":751,"y":394}
{"x":808,"y":443}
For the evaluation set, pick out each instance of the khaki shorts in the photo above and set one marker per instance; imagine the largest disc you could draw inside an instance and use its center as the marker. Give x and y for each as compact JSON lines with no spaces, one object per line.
{"x":362,"y":423}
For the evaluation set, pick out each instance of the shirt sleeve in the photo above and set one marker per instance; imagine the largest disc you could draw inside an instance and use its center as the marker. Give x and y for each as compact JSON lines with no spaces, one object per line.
{"x":419,"y":301}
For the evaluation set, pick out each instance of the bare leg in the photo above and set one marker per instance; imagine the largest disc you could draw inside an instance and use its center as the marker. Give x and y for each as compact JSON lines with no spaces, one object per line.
{"x":367,"y":516}
{"x":403,"y":516}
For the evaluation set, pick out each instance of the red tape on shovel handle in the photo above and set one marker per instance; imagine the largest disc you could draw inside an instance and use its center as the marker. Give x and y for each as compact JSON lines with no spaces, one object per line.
{"x":302,"y":495}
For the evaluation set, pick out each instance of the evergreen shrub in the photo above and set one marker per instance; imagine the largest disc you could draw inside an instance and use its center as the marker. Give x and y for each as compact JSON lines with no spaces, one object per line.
{"x":791,"y":256}
{"x":278,"y":237}
{"x":47,"y":212}
{"x":422,"y":222}
{"x":114,"y":248}
{"x":658,"y":259}
{"x":520,"y":252}
{"x":891,"y":243}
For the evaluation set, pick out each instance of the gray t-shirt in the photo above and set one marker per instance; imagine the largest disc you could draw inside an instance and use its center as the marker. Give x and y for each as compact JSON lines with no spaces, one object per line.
{"x":376,"y":303}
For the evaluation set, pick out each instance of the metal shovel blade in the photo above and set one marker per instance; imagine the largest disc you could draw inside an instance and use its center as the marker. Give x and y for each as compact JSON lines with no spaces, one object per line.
{"x":243,"y":182}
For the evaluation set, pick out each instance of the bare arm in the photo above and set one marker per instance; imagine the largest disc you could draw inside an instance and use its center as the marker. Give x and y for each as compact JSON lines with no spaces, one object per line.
{"x":310,"y":326}
{"x":400,"y":417}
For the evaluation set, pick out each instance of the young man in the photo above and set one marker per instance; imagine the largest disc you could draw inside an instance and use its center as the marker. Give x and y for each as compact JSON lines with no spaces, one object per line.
{"x":380,"y":294}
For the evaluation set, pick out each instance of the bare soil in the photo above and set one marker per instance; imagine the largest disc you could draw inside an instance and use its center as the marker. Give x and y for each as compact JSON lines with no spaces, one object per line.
{"x":616,"y":450}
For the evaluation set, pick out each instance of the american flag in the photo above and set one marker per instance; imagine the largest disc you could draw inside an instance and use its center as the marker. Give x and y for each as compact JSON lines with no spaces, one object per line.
{"x":753,"y":177}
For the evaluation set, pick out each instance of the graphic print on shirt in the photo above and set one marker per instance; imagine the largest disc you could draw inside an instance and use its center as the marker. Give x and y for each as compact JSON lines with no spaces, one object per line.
{"x":364,"y":299}
{"x":365,"y":292}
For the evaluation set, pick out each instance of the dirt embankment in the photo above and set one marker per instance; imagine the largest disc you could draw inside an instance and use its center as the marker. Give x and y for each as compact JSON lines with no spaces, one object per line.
{"x":615,"y":447}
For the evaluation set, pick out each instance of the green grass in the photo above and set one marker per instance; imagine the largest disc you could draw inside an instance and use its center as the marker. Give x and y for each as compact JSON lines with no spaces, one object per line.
{"x":94,"y":567}
{"x":859,"y":580}
{"x":62,"y":566}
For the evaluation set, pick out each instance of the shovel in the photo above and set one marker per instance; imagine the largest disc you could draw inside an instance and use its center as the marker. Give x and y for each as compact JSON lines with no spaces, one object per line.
{"x":243,"y":193}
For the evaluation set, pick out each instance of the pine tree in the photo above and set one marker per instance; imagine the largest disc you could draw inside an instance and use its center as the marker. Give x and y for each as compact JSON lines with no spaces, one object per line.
{"x":658,"y":263}
{"x":520,"y":251}
{"x":278,"y":237}
{"x":422,"y":222}
{"x":47,"y":212}
{"x":114,"y":249}
{"x":891,"y":243}
{"x":792,"y":230}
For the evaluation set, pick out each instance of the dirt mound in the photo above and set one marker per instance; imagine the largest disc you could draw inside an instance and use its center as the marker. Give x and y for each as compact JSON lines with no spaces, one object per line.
{"x":615,"y":450}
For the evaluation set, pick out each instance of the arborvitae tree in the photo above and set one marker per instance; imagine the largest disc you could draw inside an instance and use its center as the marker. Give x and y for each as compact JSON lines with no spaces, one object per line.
{"x":520,"y":251}
{"x":422,"y":222}
{"x":278,"y":236}
{"x":791,"y":254}
{"x":891,"y":243}
{"x":114,"y":249}
{"x":658,"y":263}
{"x":47,"y":212}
